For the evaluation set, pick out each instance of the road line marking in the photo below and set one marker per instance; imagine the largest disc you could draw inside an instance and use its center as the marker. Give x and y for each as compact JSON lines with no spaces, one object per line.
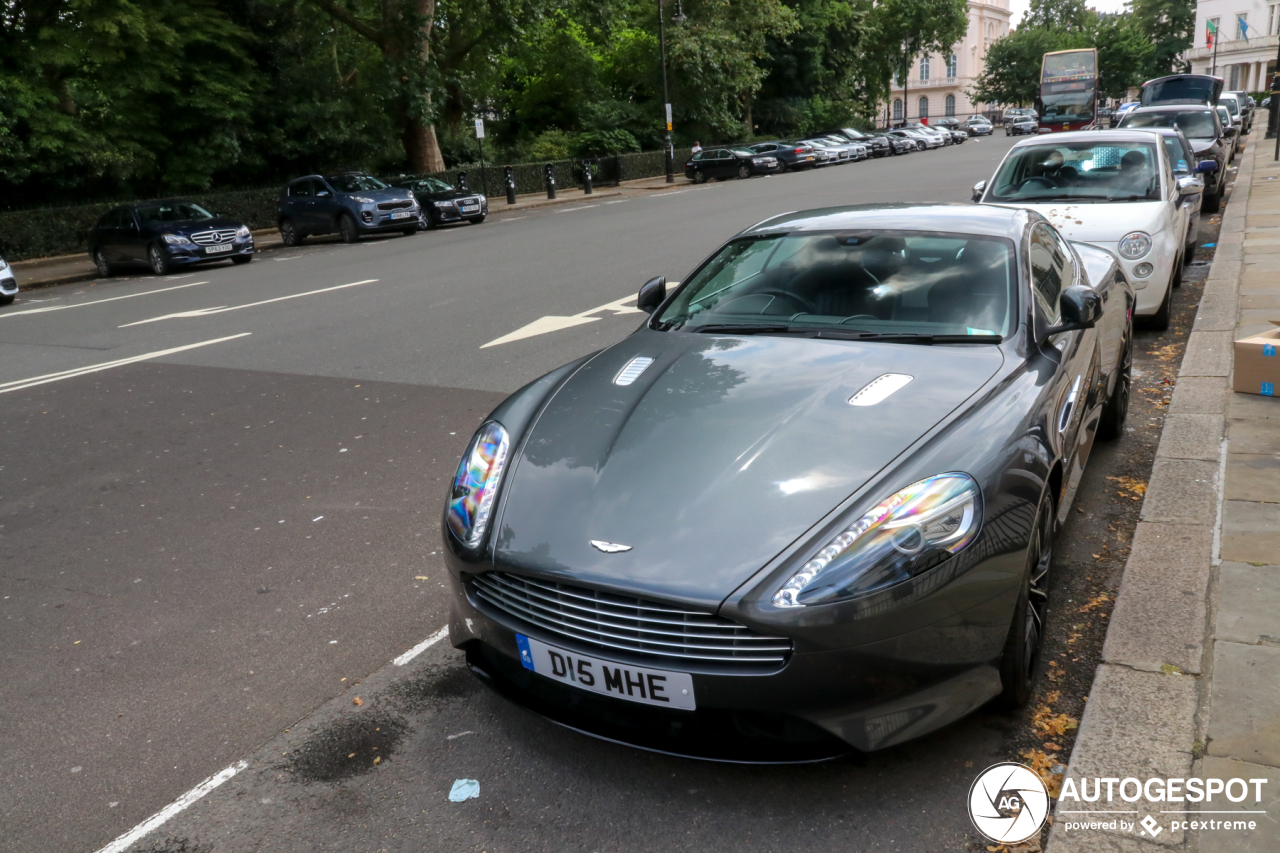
{"x":572,"y":209}
{"x":204,"y":312}
{"x":422,"y":647}
{"x":19,"y":384}
{"x":673,"y":192}
{"x":98,"y":301}
{"x":553,"y":323}
{"x":158,"y":819}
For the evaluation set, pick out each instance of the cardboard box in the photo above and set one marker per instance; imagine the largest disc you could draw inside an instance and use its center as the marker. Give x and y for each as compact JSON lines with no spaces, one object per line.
{"x":1257,"y":365}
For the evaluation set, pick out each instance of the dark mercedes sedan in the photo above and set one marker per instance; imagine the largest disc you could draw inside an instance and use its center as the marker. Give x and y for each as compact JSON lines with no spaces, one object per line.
{"x":165,"y":235}
{"x":443,"y":203}
{"x":809,"y":506}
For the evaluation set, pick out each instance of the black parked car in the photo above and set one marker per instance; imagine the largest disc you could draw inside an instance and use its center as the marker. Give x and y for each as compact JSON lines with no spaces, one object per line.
{"x":350,"y":203}
{"x":876,"y":144}
{"x":897,"y":144}
{"x":728,"y":163}
{"x":165,"y":235}
{"x":443,"y":203}
{"x":1203,"y":129}
{"x":790,"y":155}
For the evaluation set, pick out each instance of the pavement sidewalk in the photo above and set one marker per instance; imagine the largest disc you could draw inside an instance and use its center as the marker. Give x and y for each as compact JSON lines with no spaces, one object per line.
{"x":45,"y":272}
{"x":1188,"y":686}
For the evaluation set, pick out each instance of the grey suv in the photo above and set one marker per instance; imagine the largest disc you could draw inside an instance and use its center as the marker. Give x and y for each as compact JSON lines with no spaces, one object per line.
{"x":350,"y":203}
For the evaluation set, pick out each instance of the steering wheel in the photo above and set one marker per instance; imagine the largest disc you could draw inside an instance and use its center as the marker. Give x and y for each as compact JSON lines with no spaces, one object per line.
{"x":1043,"y":180}
{"x":858,"y":317}
{"x":809,"y":307}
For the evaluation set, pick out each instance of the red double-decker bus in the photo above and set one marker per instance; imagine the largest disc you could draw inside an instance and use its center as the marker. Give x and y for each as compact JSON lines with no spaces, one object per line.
{"x":1069,"y":90}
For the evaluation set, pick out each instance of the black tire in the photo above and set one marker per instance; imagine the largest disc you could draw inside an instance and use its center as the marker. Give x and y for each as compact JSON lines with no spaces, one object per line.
{"x":1159,"y":321}
{"x":100,"y":261}
{"x":1020,"y":660}
{"x":431,"y":222}
{"x":289,"y":234}
{"x":411,"y":232}
{"x":782,"y":167}
{"x":1175,"y":280}
{"x":241,"y":260}
{"x":477,"y":220}
{"x":156,"y":260}
{"x":744,"y":171}
{"x":1116,"y":409}
{"x":348,"y":228}
{"x":1213,"y":203}
{"x":699,"y":177}
{"x":7,"y":300}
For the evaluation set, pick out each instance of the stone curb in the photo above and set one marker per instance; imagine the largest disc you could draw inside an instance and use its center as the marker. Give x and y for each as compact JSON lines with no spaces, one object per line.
{"x":1144,"y":715}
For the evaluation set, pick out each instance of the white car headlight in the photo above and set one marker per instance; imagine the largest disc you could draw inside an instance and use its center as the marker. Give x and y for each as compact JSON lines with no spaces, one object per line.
{"x":1135,"y":245}
{"x":361,"y":199}
{"x":3,"y":265}
{"x":476,"y":484}
{"x":443,"y":203}
{"x":913,"y":531}
{"x":176,"y":239}
{"x":242,"y":231}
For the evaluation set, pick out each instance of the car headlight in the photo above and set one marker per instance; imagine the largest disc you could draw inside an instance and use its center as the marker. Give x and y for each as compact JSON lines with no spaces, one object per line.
{"x":911,"y":532}
{"x":242,"y":231}
{"x":3,"y":265}
{"x":476,"y":484}
{"x":1143,"y":270}
{"x":443,"y":203}
{"x":176,"y":239}
{"x":359,"y":199}
{"x":1135,"y":245}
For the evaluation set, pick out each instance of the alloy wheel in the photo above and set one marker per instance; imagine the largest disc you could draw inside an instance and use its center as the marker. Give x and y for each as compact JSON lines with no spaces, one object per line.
{"x":1038,"y":588}
{"x":288,"y":234}
{"x":100,"y":261}
{"x":159,"y":265}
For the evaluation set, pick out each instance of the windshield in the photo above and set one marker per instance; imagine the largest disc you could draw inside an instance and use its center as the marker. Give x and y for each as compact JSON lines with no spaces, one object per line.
{"x":885,"y":282}
{"x":172,"y":211}
{"x":1063,"y":106}
{"x":1197,"y":89}
{"x":355,"y":183}
{"x":1231,"y":104}
{"x":1196,"y":124}
{"x":431,"y":185}
{"x":1097,"y":171}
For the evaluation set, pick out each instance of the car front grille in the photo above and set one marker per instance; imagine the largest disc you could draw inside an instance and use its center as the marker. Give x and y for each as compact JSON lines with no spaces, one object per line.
{"x":468,"y":202}
{"x":395,"y":205}
{"x":213,"y":238}
{"x":610,"y":621}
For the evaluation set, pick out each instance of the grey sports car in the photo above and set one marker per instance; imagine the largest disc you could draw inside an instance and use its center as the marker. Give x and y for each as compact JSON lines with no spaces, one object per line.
{"x":807,"y":507}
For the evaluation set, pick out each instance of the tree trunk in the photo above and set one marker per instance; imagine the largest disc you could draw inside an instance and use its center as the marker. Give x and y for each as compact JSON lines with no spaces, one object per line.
{"x":421,"y":148}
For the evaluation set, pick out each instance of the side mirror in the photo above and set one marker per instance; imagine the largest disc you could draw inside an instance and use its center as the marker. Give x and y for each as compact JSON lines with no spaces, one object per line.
{"x":322,"y":194}
{"x":978,"y":189}
{"x":1229,"y":133}
{"x":1207,"y":166}
{"x":652,"y":294}
{"x":1190,"y":186}
{"x":1081,"y":308}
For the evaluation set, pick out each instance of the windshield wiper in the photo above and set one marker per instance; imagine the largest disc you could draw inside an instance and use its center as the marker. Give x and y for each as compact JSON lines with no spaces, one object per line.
{"x":908,"y":337}
{"x":747,"y":328}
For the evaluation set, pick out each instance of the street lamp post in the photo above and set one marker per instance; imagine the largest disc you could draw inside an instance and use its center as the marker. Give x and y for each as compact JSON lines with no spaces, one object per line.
{"x":669,"y":153}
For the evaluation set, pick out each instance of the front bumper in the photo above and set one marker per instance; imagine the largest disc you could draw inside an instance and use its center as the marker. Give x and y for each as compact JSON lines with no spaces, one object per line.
{"x":8,"y":284}
{"x":453,"y":213}
{"x":193,"y":253}
{"x":816,"y":705}
{"x":1149,"y":290}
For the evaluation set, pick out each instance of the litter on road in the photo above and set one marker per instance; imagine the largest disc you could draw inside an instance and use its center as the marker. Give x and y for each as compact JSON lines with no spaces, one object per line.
{"x":464,"y":789}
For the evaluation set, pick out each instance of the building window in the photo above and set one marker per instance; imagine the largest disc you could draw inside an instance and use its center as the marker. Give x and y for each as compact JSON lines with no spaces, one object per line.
{"x":951,"y":105}
{"x":1235,"y":78}
{"x":924,"y":68}
{"x":1271,"y":19}
{"x":1242,"y":24}
{"x":924,"y":108}
{"x":952,"y":63}
{"x":897,"y":109}
{"x":991,"y":32}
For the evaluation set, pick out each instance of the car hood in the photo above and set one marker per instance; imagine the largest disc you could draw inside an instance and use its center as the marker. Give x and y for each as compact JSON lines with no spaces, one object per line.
{"x":716,"y":458}
{"x":389,"y":194}
{"x":446,"y":195}
{"x":187,"y":227}
{"x":1098,"y":222}
{"x":1201,"y":144}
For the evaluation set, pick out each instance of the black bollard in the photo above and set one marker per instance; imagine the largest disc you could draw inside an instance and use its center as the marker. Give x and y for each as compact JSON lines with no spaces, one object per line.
{"x":462,"y":182}
{"x":549,"y":171}
{"x":509,"y":180}
{"x":586,"y":177}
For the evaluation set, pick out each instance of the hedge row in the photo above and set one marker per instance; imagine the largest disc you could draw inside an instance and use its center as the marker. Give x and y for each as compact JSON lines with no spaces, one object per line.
{"x":64,"y":230}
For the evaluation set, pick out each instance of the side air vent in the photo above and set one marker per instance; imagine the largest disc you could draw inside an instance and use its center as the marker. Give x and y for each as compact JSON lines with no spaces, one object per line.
{"x":631,"y":372}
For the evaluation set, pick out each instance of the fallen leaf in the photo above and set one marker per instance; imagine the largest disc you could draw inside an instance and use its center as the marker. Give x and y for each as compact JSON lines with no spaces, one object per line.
{"x":1050,"y":746}
{"x":357,"y":701}
{"x":1043,"y":765}
{"x":352,"y":755}
{"x":421,"y":577}
{"x":377,"y":760}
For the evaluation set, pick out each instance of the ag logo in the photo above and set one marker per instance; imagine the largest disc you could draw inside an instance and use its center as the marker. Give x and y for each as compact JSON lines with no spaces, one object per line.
{"x":1008,"y":803}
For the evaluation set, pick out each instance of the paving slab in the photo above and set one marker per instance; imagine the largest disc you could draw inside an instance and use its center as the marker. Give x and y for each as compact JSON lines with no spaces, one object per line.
{"x":1244,"y":716}
{"x":1246,"y":605}
{"x":1265,"y":838}
{"x":1252,"y":407}
{"x":1198,"y":395}
{"x":1257,"y":435}
{"x":1090,"y":841}
{"x":1208,"y":354}
{"x":1250,"y":532}
{"x":1160,"y":611}
{"x":1182,"y":491}
{"x":1253,"y":477}
{"x":1188,"y":436}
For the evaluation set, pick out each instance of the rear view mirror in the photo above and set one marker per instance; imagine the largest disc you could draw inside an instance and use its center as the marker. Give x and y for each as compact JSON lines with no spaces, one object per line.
{"x":652,"y":294}
{"x":1081,"y":308}
{"x":1229,"y":133}
{"x":322,"y":194}
{"x":978,"y":189}
{"x":1190,"y":186}
{"x":1207,"y":166}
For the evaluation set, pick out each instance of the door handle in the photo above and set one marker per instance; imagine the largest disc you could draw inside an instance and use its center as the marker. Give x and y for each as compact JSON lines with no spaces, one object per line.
{"x":1069,"y":405}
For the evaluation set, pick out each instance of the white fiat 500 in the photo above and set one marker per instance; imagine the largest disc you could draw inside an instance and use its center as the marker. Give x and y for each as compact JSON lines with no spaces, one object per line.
{"x":1114,"y":189}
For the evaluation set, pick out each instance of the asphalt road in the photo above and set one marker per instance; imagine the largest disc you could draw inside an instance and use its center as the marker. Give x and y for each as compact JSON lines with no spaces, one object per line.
{"x":200,"y":547}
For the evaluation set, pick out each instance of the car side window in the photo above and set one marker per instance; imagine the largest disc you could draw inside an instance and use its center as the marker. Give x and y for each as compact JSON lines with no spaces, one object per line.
{"x":1051,"y":271}
{"x":108,"y":219}
{"x":318,"y":186}
{"x":126,"y":218}
{"x":724,"y":154}
{"x":300,"y":189}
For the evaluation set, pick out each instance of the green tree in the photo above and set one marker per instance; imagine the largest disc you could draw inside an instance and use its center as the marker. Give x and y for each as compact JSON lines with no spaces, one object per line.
{"x":1012,"y":71}
{"x":1170,"y":27}
{"x":906,"y":29}
{"x":1124,"y":53}
{"x":1062,"y":15}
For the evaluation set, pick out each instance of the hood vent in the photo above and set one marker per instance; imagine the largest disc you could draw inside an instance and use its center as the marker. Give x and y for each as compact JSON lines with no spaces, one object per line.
{"x":879,"y":389}
{"x":631,"y":372}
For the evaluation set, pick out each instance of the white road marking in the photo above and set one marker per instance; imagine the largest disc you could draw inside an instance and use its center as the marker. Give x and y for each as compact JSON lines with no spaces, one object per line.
{"x":158,"y":819}
{"x":422,"y":647}
{"x":544,"y":325}
{"x":204,"y":312}
{"x":98,"y":301}
{"x":673,"y":192}
{"x":19,"y":384}
{"x":572,"y":209}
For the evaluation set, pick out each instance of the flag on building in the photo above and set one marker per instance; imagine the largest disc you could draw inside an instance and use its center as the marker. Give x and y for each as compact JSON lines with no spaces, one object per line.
{"x":1210,"y":33}
{"x":1244,"y":27}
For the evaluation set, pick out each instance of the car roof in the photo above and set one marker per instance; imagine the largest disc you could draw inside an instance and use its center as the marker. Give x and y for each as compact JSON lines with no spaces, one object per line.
{"x":1171,"y":108}
{"x":956,"y":217}
{"x":1118,"y":134}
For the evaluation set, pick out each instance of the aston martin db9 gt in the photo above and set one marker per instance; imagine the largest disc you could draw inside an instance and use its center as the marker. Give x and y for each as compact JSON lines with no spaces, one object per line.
{"x":809,"y":506}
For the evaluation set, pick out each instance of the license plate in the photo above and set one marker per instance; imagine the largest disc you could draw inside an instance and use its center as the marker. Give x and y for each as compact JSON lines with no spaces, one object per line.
{"x":621,"y":681}
{"x":470,"y":208}
{"x":402,"y":214}
{"x":217,"y":250}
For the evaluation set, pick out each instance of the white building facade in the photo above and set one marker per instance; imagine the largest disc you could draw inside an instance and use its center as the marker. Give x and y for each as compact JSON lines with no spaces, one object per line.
{"x":936,"y":85}
{"x":1246,"y":42}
